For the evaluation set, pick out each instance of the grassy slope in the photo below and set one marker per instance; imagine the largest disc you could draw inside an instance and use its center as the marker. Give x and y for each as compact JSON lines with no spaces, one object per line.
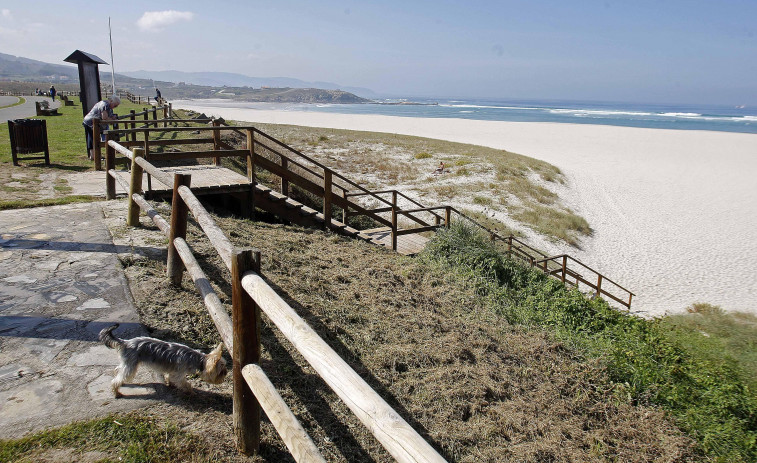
{"x":704,"y":385}
{"x":434,"y":346}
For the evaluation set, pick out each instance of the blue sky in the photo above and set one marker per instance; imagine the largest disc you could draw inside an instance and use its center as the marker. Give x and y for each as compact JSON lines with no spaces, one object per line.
{"x":670,"y":51}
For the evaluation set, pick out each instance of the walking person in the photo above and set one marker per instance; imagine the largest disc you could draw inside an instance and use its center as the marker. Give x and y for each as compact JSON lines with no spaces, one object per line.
{"x":52,"y":92}
{"x":102,"y":110}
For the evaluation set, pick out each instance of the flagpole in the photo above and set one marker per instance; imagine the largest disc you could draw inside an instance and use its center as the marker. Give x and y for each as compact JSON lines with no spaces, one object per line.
{"x":112,"y":67}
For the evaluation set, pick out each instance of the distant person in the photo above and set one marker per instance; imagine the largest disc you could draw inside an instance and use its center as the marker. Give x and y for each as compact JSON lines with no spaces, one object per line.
{"x":36,"y":91}
{"x":52,"y":92}
{"x":102,"y":110}
{"x":157,"y":95}
{"x":440,"y":169}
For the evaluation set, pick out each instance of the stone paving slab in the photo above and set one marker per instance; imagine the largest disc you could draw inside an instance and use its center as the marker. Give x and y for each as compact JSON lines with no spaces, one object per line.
{"x":60,"y":284}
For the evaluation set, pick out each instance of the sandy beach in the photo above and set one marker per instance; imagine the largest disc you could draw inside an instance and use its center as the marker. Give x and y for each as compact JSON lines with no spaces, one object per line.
{"x":674,"y":211}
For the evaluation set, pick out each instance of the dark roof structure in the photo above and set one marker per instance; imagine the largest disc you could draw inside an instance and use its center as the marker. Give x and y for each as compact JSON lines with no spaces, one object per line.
{"x":79,"y":55}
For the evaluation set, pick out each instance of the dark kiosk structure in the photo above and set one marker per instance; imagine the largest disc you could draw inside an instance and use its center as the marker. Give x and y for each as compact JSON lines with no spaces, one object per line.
{"x":89,"y":78}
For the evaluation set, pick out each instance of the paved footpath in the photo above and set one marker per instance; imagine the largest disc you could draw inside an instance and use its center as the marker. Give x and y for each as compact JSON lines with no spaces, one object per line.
{"x":24,"y":110}
{"x":60,"y":284}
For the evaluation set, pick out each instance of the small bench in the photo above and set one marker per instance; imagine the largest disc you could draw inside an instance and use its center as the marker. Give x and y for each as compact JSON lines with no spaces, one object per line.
{"x":42,"y":111}
{"x":66,"y":101}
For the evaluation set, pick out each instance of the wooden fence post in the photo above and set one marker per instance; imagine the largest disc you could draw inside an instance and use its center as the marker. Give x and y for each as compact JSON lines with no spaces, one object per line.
{"x":155,"y":116}
{"x":564,"y":267}
{"x":284,"y":181}
{"x":133,"y":124}
{"x":132,"y":219}
{"x":165,"y":115}
{"x":170,"y":113}
{"x":179,"y":212}
{"x":216,"y":142}
{"x":110,"y":163}
{"x":251,"y":156}
{"x":327,"y":198}
{"x":448,"y":216}
{"x":96,"y":143}
{"x":245,"y":316}
{"x":599,"y":287}
{"x":394,"y":220}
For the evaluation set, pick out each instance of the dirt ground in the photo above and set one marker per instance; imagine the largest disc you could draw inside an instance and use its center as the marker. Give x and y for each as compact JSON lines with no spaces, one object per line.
{"x":478,"y":389}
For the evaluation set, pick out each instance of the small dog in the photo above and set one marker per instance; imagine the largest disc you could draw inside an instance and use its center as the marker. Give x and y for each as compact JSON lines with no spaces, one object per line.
{"x":171,"y":360}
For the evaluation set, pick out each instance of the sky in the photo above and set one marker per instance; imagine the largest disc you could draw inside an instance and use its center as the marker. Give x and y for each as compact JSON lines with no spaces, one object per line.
{"x":642,"y":51}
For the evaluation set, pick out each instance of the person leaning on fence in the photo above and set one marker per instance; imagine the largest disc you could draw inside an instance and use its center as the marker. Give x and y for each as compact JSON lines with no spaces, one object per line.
{"x":102,"y":110}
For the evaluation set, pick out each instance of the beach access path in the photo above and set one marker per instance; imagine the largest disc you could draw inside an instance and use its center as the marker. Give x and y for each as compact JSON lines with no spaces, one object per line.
{"x":61,"y":283}
{"x":673,"y":212}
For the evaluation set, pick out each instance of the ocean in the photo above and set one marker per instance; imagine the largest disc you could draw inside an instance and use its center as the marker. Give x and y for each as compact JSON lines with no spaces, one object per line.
{"x":741,"y":119}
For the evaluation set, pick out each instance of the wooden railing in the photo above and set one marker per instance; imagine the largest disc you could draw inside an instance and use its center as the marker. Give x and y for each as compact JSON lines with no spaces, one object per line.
{"x":294,"y":167}
{"x":251,"y":295}
{"x":563,"y":267}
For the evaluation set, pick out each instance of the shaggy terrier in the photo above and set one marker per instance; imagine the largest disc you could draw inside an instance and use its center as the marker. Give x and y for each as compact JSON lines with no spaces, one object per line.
{"x":171,"y":360}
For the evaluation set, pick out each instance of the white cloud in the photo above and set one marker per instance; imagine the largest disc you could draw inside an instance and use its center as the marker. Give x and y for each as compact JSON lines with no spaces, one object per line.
{"x":6,"y":13}
{"x":156,"y":20}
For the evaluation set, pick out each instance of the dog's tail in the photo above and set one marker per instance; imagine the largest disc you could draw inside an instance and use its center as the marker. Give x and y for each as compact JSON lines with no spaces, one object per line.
{"x":107,"y":337}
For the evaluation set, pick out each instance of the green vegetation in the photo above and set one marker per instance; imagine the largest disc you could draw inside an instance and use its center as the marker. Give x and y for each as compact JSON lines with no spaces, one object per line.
{"x":65,"y":136}
{"x":423,"y":155}
{"x":711,"y":332}
{"x":112,"y":439}
{"x":704,"y":389}
{"x":27,"y":203}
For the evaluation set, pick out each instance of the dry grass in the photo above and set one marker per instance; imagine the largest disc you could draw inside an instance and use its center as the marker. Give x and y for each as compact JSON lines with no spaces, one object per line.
{"x":477,"y":388}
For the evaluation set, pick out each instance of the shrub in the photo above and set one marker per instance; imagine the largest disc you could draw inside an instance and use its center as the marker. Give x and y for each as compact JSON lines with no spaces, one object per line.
{"x":422,"y":155}
{"x":705,"y":394}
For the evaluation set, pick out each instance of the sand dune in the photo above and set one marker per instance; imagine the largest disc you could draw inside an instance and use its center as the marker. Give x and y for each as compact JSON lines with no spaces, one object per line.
{"x":674,"y":212}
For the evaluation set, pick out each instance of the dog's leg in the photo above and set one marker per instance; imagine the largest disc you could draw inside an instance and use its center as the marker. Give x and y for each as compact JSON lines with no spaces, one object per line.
{"x":124,"y":373}
{"x":180,"y":381}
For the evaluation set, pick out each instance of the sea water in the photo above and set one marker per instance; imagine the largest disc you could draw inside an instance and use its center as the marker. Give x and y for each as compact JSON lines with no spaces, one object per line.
{"x":735,"y":118}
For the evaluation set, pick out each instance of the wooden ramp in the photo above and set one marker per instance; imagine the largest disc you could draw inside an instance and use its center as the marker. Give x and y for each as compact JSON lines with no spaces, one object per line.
{"x":205,"y":178}
{"x":407,"y":245}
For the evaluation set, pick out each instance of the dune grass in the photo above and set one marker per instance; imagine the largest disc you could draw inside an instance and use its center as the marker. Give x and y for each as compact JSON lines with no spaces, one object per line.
{"x":704,"y":385}
{"x":478,"y":175}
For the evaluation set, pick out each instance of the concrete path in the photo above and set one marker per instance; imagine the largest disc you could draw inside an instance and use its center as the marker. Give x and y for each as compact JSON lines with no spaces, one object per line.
{"x":60,"y":284}
{"x":25,"y":110}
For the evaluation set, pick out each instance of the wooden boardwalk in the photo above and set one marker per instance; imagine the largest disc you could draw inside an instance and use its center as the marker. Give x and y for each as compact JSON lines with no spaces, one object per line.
{"x":205,"y":179}
{"x":407,"y":245}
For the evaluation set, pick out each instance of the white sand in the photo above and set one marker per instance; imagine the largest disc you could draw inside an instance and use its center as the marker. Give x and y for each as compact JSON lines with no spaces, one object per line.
{"x":674,"y":211}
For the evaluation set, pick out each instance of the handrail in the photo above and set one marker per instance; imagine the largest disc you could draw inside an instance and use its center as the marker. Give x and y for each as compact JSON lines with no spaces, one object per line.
{"x":516,"y":247}
{"x":394,"y":433}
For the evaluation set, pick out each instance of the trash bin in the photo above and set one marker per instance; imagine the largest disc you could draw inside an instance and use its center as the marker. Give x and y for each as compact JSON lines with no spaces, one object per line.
{"x":28,"y":136}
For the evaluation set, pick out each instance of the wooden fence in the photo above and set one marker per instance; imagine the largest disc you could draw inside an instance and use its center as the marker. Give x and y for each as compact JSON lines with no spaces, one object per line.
{"x":251,"y":295}
{"x":401,"y":214}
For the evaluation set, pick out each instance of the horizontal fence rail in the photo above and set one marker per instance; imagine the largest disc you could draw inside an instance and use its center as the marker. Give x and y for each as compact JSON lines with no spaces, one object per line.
{"x":389,"y":428}
{"x":389,"y":207}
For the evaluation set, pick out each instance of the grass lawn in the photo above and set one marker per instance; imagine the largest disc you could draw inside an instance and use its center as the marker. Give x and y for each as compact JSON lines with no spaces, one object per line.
{"x":31,"y":183}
